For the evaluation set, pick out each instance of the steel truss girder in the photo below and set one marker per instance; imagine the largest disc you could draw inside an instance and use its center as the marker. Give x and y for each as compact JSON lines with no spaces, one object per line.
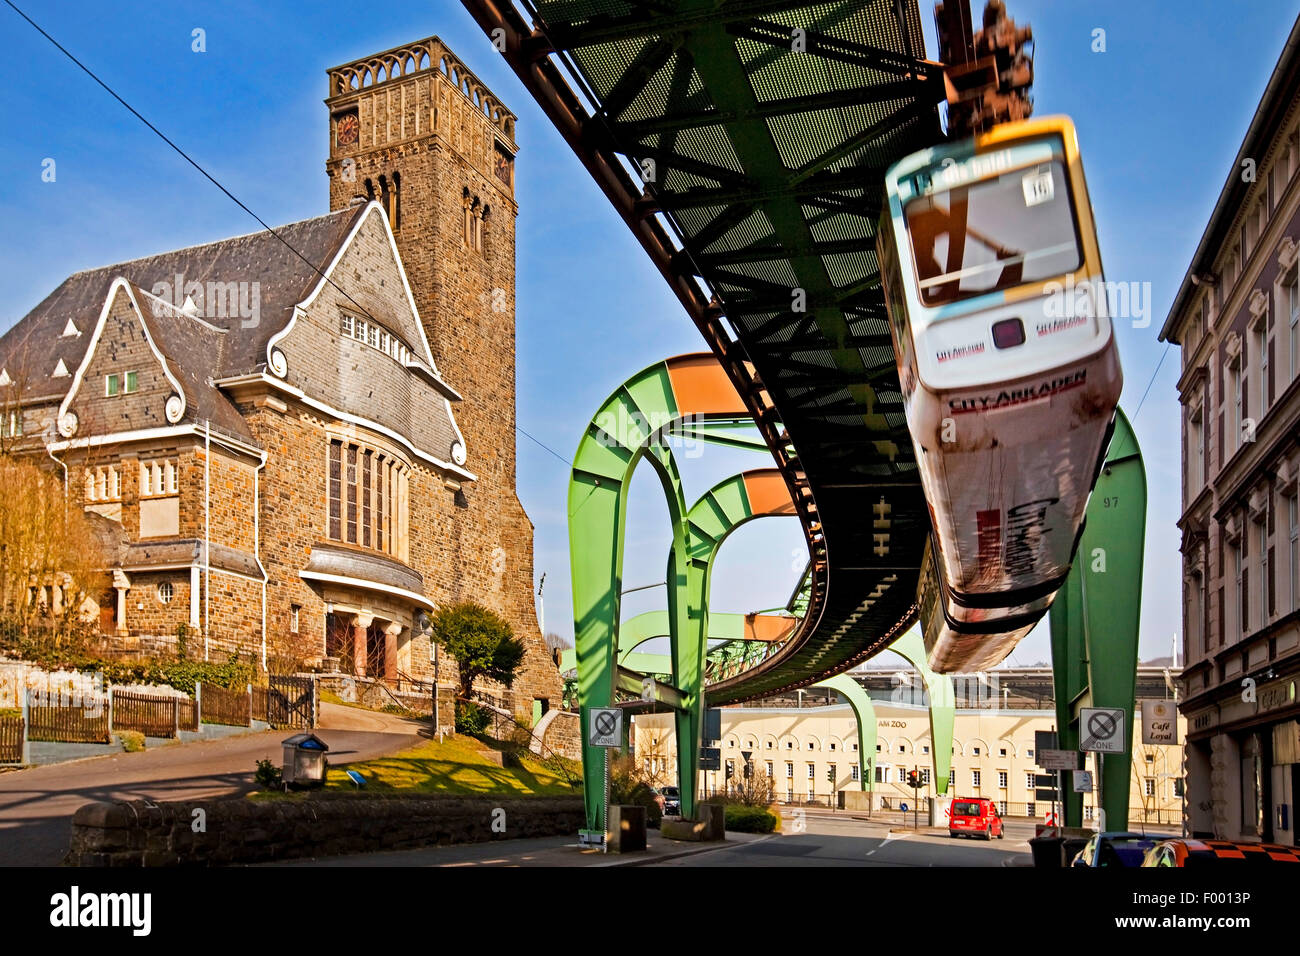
{"x":857,"y":96}
{"x":526,"y":53}
{"x":823,"y":185}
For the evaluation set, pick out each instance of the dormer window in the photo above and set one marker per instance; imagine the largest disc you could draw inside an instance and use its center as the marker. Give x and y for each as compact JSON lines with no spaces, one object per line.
{"x":121,"y":384}
{"x":375,"y":336}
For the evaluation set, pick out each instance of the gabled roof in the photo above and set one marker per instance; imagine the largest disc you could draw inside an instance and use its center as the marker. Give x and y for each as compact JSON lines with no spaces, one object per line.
{"x":191,"y":347}
{"x":31,"y":350}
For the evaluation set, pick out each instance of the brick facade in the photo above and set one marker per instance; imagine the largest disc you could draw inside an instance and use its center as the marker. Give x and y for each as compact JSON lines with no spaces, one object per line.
{"x":1236,"y":318}
{"x":438,"y":157}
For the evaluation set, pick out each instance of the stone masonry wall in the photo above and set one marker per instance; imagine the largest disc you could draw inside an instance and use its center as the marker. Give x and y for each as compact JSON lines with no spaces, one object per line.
{"x":236,"y":831}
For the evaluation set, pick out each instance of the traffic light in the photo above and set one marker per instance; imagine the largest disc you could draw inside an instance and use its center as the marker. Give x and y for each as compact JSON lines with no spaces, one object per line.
{"x":730,"y":770}
{"x":913,"y":779}
{"x":830,"y":774}
{"x":749,"y":771}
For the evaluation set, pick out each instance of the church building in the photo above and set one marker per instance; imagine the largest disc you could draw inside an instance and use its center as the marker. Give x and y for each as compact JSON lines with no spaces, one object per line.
{"x":299,"y":444}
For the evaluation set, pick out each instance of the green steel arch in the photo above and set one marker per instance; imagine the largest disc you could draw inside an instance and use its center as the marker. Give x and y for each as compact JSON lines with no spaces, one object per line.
{"x":722,"y":509}
{"x":1095,"y":618}
{"x":864,"y":712}
{"x":941,"y":710}
{"x":651,"y":625}
{"x":634,"y":423}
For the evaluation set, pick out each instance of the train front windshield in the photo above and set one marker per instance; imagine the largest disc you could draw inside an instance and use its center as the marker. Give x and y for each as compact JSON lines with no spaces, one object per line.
{"x":993,"y":234}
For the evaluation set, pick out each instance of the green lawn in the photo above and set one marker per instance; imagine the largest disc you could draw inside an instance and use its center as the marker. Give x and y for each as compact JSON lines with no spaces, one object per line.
{"x":457,"y":765}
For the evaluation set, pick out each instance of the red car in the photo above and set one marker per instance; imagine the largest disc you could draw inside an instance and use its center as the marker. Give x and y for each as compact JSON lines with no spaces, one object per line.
{"x":974,"y":816}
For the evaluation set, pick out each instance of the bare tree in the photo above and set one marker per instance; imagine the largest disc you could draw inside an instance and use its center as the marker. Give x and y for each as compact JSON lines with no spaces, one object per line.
{"x":45,"y":544}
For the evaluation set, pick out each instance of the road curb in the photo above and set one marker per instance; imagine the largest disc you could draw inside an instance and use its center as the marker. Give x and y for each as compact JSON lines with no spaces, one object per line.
{"x":688,"y":851}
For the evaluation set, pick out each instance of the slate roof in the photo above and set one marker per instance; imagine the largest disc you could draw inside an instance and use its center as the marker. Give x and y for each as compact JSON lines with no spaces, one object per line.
{"x":31,"y":350}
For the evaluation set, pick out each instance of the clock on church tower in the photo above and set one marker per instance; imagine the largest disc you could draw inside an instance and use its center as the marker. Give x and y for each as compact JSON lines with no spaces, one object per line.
{"x":347,"y":129}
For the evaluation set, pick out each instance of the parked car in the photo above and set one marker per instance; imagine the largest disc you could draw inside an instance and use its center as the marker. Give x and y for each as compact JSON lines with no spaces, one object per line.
{"x":672,"y":801}
{"x":1215,"y":852}
{"x":974,"y":816}
{"x":1115,"y":849}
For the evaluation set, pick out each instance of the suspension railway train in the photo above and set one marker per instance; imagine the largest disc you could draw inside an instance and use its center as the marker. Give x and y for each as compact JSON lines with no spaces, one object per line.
{"x":1009,"y":371}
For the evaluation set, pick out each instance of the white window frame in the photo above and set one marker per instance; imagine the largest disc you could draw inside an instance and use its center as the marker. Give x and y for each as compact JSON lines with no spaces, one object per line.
{"x":975,"y":779}
{"x":1195,"y":616}
{"x":1262,"y":332}
{"x":1002,"y":780}
{"x":1196,"y":447}
{"x":1293,"y":344}
{"x":1293,"y":522}
{"x":853,"y":772}
{"x":1261,"y":617}
{"x":1233,"y":616}
{"x":1029,"y":780}
{"x":1239,"y":409}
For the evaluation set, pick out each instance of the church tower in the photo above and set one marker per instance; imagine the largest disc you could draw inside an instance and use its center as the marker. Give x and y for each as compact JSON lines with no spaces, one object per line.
{"x":414,"y":129}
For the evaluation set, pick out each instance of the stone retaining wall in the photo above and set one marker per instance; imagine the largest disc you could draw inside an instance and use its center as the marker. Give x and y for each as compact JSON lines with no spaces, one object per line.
{"x":240,"y":830}
{"x":564,"y":736}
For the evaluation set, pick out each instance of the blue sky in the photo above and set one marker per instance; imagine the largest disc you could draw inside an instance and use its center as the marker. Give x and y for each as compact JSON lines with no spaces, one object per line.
{"x":1160,"y":114}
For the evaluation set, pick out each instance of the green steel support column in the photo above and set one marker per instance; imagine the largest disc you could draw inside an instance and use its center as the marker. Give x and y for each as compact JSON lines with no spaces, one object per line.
{"x":911,"y":647}
{"x":1069,"y":677}
{"x":719,"y":511}
{"x":651,"y":625}
{"x":721,"y":508}
{"x":865,"y":713}
{"x":614,"y":443}
{"x":1096,"y":630}
{"x":635,"y":422}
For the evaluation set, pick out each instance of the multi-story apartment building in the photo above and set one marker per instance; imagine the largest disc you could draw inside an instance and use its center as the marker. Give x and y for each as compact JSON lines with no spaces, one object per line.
{"x":299,"y":444}
{"x":810,"y":753}
{"x":1236,"y":317}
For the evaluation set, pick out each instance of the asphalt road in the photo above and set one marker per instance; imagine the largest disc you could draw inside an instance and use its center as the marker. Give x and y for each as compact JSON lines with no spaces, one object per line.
{"x":827,"y":841}
{"x":36,"y":805}
{"x":844,"y":841}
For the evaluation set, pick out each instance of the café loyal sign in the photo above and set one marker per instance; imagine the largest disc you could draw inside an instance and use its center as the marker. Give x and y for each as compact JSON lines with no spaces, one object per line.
{"x":1159,"y":722}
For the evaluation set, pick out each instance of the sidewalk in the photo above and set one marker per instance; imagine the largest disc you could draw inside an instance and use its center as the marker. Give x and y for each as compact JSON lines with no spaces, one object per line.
{"x":544,"y":851}
{"x":37,"y":803}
